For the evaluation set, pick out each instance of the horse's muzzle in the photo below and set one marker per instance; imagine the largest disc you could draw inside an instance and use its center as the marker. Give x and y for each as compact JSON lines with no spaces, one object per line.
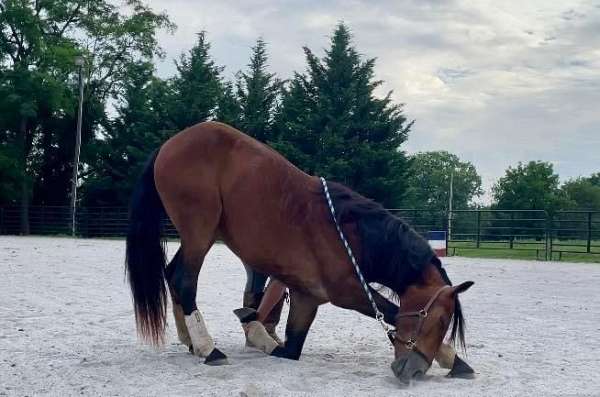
{"x":410,"y":366}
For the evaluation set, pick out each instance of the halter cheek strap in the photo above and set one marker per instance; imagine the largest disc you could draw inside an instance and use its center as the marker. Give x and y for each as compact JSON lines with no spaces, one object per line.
{"x":411,"y":343}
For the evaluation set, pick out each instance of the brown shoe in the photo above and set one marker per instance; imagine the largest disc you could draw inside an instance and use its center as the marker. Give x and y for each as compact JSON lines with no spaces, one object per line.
{"x":251,"y":302}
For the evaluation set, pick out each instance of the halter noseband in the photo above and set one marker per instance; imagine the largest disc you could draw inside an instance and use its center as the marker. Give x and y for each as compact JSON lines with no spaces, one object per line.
{"x":411,"y":343}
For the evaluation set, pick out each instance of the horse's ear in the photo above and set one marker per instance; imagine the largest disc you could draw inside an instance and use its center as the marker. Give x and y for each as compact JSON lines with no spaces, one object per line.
{"x":460,"y":288}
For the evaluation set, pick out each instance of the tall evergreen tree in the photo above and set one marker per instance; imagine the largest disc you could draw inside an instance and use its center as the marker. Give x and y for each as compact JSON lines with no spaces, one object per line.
{"x":257,"y":92}
{"x":228,"y":109}
{"x":142,"y":124}
{"x":198,"y":85}
{"x":333,"y":124}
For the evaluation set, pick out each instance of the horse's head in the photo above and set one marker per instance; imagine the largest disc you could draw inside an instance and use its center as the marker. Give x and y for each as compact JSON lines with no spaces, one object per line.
{"x":426,"y":312}
{"x":397,"y":257}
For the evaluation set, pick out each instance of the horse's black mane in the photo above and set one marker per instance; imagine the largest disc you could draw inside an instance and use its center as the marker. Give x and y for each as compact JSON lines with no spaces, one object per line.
{"x":392,"y":253}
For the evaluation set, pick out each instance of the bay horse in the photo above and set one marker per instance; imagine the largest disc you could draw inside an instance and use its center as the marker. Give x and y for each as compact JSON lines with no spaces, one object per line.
{"x":214,"y":182}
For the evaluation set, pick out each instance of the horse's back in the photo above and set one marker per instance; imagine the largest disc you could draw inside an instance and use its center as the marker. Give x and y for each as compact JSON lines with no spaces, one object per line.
{"x":217,"y":154}
{"x":212,"y":168}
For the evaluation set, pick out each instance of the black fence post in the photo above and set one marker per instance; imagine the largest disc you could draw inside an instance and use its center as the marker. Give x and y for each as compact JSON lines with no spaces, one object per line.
{"x":512,"y":231}
{"x":445,"y":223}
{"x":478,"y":228}
{"x":550,"y":234}
{"x":589,"y":232}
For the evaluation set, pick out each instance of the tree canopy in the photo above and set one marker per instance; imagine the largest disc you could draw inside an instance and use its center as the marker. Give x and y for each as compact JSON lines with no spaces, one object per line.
{"x":332,"y":123}
{"x":38,"y":85}
{"x":530,"y":186}
{"x":583,"y":193}
{"x":429,"y":181}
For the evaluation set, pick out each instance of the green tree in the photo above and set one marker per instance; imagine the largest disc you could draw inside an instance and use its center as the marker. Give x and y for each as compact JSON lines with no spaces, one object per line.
{"x":141,"y":125}
{"x":38,"y":94}
{"x":584,"y":193}
{"x":257,"y":92}
{"x":228,"y":108}
{"x":198,"y":85}
{"x":32,"y":51}
{"x":429,"y":181}
{"x":331,"y":123}
{"x":531,"y":186}
{"x":594,"y":179}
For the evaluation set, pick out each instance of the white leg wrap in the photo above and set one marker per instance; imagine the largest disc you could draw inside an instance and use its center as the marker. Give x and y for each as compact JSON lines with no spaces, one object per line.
{"x":258,"y":336}
{"x":201,"y":339}
{"x":445,"y":356}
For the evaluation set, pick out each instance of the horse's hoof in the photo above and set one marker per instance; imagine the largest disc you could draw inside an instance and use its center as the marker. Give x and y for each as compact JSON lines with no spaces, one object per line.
{"x":216,"y":357}
{"x":279,"y":351}
{"x":246,"y":314}
{"x":461,"y":370}
{"x":191,"y":349}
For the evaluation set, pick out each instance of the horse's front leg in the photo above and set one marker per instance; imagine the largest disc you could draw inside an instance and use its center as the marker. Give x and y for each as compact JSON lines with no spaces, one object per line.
{"x":447,"y":358}
{"x":303,"y":309}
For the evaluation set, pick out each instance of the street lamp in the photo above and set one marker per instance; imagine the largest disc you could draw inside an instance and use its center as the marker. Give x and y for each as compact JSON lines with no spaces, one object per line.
{"x":450,"y":202}
{"x":79,"y":61}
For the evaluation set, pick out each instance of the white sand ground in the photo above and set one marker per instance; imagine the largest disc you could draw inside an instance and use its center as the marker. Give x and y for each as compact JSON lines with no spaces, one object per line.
{"x":66,"y":328}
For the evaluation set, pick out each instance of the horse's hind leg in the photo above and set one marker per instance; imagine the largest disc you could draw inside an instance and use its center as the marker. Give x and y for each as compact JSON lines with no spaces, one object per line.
{"x":183,"y":282}
{"x":182,"y":331}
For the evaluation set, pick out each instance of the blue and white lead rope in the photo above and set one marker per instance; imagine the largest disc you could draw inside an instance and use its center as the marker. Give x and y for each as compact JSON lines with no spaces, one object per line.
{"x":378,"y":314}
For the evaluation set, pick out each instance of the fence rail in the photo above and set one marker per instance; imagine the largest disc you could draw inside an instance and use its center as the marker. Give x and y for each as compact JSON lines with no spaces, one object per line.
{"x":544,"y":235}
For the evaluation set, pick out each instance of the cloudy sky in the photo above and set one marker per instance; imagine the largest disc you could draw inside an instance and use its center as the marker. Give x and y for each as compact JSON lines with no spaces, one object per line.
{"x":495,"y":82}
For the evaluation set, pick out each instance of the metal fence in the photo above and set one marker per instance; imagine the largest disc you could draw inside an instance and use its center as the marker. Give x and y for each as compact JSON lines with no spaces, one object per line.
{"x":542,"y":235}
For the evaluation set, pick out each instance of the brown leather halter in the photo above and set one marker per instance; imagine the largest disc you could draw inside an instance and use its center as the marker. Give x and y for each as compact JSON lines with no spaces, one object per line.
{"x":411,"y":343}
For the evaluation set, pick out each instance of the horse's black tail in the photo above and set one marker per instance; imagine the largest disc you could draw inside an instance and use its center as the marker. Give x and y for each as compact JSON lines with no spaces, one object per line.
{"x":145,"y":257}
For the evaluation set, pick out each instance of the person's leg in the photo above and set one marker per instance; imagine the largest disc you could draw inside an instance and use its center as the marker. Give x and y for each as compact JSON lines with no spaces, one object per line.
{"x":255,"y":285}
{"x":269,"y":311}
{"x":272,"y":297}
{"x":269,"y":303}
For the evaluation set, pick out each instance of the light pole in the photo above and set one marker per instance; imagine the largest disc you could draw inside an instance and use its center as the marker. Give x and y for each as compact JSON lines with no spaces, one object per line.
{"x":450,"y":199}
{"x":78,"y":62}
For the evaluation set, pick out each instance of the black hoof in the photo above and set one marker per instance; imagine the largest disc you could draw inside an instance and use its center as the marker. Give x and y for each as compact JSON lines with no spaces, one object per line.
{"x":278,"y":352}
{"x":461,"y":369}
{"x":246,"y":314}
{"x":191,"y":349}
{"x":283,"y":353}
{"x":216,"y":357}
